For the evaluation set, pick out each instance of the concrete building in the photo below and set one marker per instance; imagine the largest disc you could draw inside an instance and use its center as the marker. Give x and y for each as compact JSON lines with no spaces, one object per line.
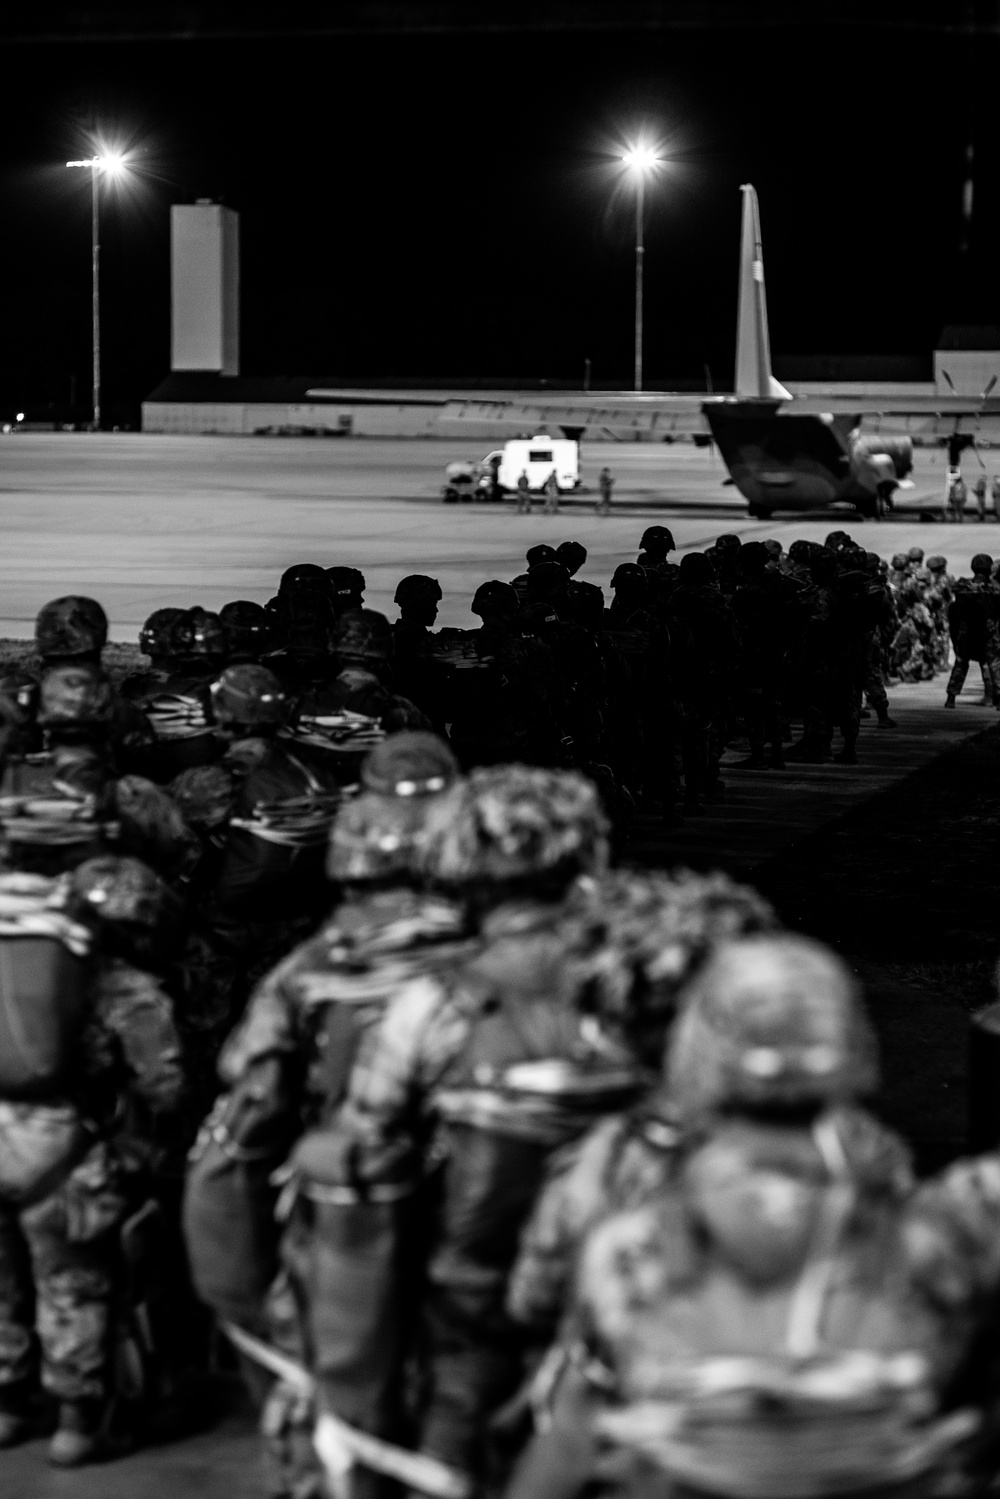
{"x":204,"y":288}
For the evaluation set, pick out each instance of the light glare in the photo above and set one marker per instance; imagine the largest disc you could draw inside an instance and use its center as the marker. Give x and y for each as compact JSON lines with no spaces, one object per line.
{"x":642,"y":158}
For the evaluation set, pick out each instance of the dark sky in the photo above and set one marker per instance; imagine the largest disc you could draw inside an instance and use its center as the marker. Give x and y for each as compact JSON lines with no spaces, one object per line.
{"x":447,"y":205}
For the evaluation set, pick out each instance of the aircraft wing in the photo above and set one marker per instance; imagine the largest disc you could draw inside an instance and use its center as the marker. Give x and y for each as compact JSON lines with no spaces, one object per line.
{"x":598,"y":413}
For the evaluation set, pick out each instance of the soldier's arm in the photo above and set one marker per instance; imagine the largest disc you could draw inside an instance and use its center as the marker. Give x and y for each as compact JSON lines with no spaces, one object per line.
{"x":273,"y":1024}
{"x":571,"y":1201}
{"x":953,"y":1233}
{"x":134,"y":1007}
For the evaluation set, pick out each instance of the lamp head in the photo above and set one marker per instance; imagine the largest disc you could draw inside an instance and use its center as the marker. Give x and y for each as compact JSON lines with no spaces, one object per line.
{"x":642,"y":159}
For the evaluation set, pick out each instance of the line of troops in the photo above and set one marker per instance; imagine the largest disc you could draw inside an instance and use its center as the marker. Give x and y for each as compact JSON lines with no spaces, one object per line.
{"x":513,"y":1171}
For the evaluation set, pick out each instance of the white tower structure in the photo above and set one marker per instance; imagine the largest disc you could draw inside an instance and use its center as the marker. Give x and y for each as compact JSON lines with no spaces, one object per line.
{"x":205,"y":287}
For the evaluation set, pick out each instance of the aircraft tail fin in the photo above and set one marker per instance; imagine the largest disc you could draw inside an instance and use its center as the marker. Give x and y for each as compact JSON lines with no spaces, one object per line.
{"x":753,"y":346}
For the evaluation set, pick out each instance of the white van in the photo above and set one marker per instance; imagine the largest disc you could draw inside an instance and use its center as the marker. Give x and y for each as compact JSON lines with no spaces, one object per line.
{"x":538,"y":456}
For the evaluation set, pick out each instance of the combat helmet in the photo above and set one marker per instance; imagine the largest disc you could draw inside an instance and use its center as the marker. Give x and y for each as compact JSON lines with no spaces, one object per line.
{"x":70,"y":626}
{"x":516,"y":823}
{"x":656,"y":931}
{"x":200,"y":636}
{"x":248,"y":697}
{"x":303,"y":575}
{"x":249,"y":630}
{"x":657,"y":541}
{"x":75,"y":698}
{"x":495,"y":599}
{"x":380,"y":834}
{"x":158,"y":636}
{"x":770,"y":1022}
{"x":572,"y":555}
{"x":363,"y":635}
{"x":541,"y":552}
{"x":898,"y":562}
{"x":547,"y":581}
{"x":347,"y":587}
{"x":584,"y":603}
{"x":135,"y":911}
{"x":629,"y":577}
{"x":915,"y":554}
{"x":416,"y":589}
{"x":982,"y":563}
{"x":936,"y":564}
{"x":204,"y":794}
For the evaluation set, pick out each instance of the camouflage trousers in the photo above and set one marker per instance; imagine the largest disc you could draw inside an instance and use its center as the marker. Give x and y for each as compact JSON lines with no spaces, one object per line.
{"x":991,"y":676}
{"x":874,"y":678}
{"x":58,"y":1263}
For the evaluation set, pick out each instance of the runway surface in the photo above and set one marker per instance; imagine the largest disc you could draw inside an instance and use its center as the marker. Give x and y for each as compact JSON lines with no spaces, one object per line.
{"x":142,"y":521}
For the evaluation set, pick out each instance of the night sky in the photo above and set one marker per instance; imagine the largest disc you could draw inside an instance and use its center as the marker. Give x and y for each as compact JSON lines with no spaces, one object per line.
{"x":446,"y":206}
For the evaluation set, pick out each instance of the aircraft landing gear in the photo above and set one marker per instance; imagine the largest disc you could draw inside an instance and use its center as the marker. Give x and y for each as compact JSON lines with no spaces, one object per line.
{"x":759,"y":512}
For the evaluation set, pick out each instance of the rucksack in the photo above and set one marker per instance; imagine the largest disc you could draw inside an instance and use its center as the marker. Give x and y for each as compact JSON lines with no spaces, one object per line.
{"x":42,"y":987}
{"x":276,"y":843}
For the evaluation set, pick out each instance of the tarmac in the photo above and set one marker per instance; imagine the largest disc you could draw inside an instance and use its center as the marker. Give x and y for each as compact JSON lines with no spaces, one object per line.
{"x":143,"y":521}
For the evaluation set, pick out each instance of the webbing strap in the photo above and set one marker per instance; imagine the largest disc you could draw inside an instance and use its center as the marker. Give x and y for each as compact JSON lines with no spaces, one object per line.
{"x":341,"y":1446}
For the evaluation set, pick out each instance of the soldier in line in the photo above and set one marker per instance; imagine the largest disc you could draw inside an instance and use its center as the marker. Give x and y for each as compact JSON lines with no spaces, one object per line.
{"x":780,"y":1308}
{"x":77,"y":1117}
{"x":974,"y":621}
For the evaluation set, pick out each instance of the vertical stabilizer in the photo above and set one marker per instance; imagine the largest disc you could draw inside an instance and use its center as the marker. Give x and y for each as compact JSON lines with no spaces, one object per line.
{"x":753,"y":347}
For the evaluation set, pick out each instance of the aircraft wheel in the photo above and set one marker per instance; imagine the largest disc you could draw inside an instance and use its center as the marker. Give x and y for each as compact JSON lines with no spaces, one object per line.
{"x":759,"y":512}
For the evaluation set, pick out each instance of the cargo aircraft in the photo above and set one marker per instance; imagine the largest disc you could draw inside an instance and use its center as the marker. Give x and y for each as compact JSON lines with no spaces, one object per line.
{"x":783,"y":452}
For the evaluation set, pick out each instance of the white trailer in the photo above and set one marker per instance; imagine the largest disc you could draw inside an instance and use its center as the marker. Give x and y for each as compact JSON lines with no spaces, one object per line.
{"x":538,"y":456}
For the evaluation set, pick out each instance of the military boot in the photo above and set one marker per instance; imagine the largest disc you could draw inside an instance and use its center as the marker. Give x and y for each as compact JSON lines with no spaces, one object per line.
{"x":79,"y":1437}
{"x":949,"y":701}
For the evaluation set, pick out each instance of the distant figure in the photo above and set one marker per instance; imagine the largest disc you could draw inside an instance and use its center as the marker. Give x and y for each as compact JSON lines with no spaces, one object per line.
{"x":995,"y":495}
{"x":523,"y":494}
{"x":551,"y":492}
{"x":957,"y":496}
{"x":979,"y":490}
{"x":605,"y":484}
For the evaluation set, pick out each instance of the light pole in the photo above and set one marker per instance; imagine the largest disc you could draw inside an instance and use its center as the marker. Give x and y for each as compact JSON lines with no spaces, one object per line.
{"x":109,"y":164}
{"x":640,"y":160}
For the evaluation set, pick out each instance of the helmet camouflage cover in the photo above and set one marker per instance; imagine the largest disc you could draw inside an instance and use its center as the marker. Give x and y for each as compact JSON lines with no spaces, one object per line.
{"x":250,"y":696}
{"x":71,"y":626}
{"x":770,"y":1021}
{"x":509,"y":822}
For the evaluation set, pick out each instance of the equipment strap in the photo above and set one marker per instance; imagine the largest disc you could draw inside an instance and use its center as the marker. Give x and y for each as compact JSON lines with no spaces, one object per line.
{"x":340,"y":1446}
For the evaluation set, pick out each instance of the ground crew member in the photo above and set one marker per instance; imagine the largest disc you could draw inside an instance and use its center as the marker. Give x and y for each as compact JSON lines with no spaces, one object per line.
{"x":552,"y":494}
{"x":957,"y":496}
{"x":523,"y":493}
{"x":979,"y":489}
{"x":605,"y":484}
{"x":995,"y":495}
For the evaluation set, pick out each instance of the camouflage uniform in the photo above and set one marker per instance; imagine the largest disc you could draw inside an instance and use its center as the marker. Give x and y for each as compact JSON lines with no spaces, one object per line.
{"x":938,"y":597}
{"x":659,"y":930}
{"x":61,"y":1271}
{"x":285,"y":1070}
{"x":974,"y":618}
{"x":789,"y":1312}
{"x":440,"y":1078}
